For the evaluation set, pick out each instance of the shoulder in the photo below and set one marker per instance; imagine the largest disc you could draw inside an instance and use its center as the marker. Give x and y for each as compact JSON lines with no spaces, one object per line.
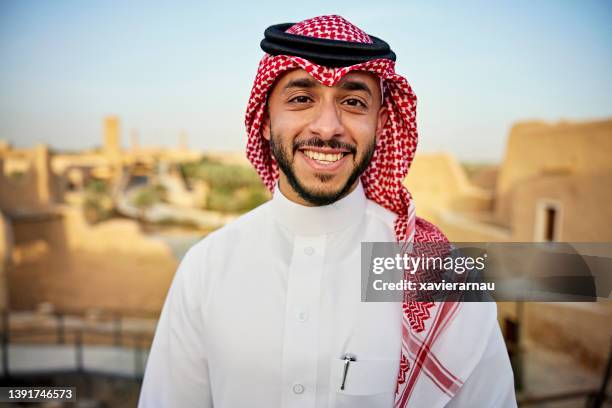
{"x":210,"y":255}
{"x":425,"y":230}
{"x":245,"y":222}
{"x":380,"y":214}
{"x":235,"y":231}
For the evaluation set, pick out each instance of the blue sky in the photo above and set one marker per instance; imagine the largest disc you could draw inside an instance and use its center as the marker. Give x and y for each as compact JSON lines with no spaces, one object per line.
{"x":171,"y":67}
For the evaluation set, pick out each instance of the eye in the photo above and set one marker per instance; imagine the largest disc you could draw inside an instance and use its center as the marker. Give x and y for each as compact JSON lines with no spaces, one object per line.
{"x":300,"y":99}
{"x":354,"y":102}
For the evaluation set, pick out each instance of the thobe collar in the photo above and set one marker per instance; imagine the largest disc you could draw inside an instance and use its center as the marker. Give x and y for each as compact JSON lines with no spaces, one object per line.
{"x":325,"y":219}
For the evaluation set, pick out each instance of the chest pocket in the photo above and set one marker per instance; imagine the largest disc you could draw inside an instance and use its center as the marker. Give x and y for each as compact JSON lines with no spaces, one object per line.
{"x":369,"y":383}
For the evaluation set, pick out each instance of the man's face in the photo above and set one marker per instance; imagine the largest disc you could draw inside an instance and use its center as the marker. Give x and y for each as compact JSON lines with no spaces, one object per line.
{"x":323,"y":137}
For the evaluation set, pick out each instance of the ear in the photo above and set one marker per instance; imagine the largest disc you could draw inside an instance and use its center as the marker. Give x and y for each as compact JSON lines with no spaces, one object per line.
{"x":265,"y":127}
{"x":383,"y":115}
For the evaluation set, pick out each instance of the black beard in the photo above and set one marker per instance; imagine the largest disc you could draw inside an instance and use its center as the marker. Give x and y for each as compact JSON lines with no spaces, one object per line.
{"x":316,"y":198}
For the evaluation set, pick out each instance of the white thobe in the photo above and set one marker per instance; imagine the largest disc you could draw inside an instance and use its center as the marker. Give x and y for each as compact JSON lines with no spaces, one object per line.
{"x":261,"y":311}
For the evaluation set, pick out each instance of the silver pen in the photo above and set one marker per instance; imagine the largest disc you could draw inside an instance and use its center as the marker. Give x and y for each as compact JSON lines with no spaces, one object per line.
{"x":348,"y":357}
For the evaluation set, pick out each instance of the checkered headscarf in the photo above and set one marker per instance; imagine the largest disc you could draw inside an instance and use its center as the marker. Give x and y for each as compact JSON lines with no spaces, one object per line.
{"x":382,"y":180}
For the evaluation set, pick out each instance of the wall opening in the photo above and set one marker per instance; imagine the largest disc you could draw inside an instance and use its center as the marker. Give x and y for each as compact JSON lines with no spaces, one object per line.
{"x":548,"y":221}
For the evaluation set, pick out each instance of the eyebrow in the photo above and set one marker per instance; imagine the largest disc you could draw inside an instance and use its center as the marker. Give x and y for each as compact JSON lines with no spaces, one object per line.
{"x":300,"y":83}
{"x":353,"y":85}
{"x":348,"y":85}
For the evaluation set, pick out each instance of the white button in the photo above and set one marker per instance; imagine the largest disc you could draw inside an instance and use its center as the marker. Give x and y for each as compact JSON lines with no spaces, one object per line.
{"x":298,"y":388}
{"x":302,"y":316}
{"x":309,"y":251}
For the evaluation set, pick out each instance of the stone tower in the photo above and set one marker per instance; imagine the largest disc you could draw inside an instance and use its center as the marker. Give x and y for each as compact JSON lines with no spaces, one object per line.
{"x":112,"y":145}
{"x":112,"y":141}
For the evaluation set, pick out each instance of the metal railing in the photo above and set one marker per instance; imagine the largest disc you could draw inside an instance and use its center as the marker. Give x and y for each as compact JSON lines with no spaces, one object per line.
{"x":79,"y":337}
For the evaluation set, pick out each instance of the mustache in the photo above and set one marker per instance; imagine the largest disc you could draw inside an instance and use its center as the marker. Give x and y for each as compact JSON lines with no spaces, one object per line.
{"x":318,"y":142}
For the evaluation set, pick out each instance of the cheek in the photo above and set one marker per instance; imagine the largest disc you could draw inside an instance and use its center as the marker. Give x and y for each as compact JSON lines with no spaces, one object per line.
{"x":363,"y":131}
{"x":287,"y":126}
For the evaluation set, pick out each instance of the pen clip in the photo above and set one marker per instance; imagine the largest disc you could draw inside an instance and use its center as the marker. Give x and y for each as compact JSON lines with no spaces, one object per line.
{"x":348,"y":357}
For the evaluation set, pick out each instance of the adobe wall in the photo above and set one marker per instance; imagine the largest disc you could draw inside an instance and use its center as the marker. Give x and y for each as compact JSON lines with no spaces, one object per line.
{"x":6,"y":248}
{"x":437,"y":183}
{"x":31,"y":190}
{"x":537,"y":148}
{"x":585,"y":212}
{"x":578,"y":329}
{"x":73,"y":265}
{"x":34,"y":189}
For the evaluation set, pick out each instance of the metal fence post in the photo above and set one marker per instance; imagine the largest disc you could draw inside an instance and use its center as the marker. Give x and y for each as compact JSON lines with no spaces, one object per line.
{"x":137,"y":357}
{"x":61,"y":338}
{"x":78,"y":343}
{"x":6,"y":337}
{"x":118,"y":330}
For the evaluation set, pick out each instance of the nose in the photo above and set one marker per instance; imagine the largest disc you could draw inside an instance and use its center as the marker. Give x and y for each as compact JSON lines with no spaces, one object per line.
{"x":327,"y":122}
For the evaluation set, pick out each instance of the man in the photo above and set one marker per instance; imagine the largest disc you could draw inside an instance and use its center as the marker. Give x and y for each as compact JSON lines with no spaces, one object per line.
{"x":266,"y":311}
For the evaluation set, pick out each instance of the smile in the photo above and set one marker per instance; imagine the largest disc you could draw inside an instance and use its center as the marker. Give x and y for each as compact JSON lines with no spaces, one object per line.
{"x":323,"y":158}
{"x":326,"y":161}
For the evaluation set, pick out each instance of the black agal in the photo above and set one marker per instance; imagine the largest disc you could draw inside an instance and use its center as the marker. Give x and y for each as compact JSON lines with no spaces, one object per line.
{"x":323,"y":51}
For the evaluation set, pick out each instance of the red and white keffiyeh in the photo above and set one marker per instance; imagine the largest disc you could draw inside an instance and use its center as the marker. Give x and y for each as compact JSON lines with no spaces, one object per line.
{"x":423,"y":322}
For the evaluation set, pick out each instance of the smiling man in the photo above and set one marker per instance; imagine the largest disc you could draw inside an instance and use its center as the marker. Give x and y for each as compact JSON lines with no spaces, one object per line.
{"x":323,"y":138}
{"x":266,"y":311}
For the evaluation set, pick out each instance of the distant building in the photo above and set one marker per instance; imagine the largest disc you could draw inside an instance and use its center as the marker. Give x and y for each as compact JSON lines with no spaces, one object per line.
{"x":41,"y":232}
{"x":112,"y":138}
{"x":553,"y":185}
{"x":26,"y":182}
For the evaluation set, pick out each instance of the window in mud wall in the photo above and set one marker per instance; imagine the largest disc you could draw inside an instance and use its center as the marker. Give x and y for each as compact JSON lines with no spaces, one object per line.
{"x":548,"y":221}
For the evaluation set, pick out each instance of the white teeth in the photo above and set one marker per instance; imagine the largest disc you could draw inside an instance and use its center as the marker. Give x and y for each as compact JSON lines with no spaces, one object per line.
{"x":322,"y":157}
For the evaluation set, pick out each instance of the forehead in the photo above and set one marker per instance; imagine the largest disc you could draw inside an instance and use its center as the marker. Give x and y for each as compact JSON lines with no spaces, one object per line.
{"x":362,"y":76}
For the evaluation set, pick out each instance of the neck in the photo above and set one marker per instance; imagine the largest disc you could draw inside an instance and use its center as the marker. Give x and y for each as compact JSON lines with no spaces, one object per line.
{"x":304,"y":220}
{"x":288,"y":191}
